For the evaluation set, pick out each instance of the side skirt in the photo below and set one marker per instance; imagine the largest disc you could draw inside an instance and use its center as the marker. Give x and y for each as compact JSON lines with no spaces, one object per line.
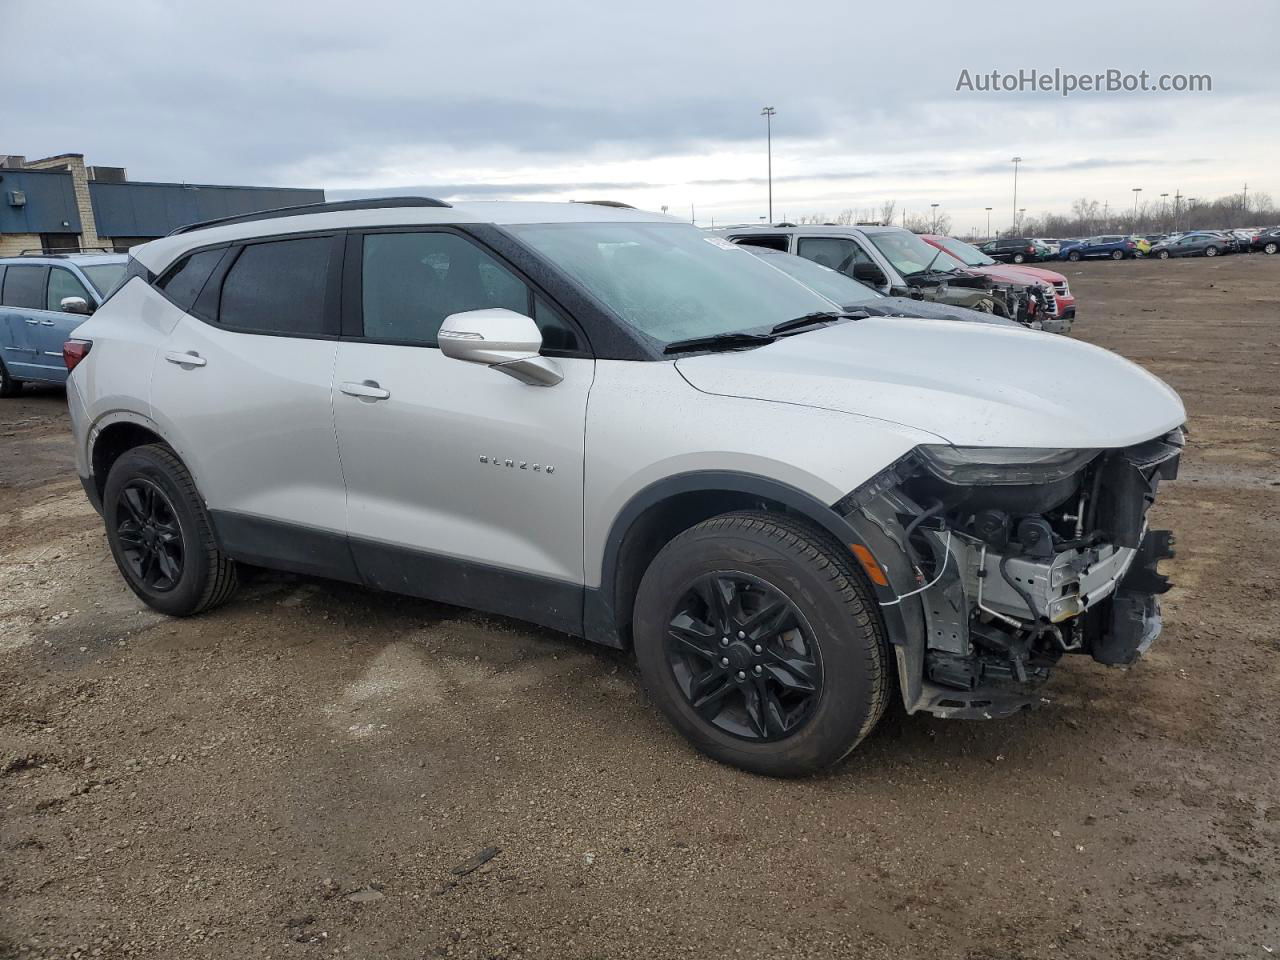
{"x":397,"y":569}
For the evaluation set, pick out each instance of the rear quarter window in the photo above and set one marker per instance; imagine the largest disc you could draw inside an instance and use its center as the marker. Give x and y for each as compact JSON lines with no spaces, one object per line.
{"x":183,"y":281}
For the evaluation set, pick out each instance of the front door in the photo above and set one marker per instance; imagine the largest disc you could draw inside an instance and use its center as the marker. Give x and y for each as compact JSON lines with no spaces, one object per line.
{"x":463,"y":484}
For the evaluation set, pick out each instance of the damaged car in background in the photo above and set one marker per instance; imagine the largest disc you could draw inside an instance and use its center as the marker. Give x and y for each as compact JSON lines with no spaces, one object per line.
{"x":898,"y":263}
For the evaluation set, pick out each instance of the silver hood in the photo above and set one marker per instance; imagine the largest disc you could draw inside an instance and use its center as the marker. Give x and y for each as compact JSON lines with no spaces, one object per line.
{"x":971,"y":384}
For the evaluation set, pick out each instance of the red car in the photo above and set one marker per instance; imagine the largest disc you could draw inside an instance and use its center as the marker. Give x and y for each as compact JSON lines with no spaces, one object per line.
{"x":978,"y":262}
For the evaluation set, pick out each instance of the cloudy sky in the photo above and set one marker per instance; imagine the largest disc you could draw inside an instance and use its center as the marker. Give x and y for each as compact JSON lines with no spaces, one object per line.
{"x":654,"y":103}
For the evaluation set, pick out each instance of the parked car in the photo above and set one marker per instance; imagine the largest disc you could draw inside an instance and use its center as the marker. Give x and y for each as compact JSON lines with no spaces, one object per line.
{"x":851,"y":295}
{"x":43,"y":298}
{"x":978,"y":262}
{"x":1141,"y":245}
{"x":1191,"y":245}
{"x":1114,"y":247}
{"x":610,"y":423}
{"x":1051,"y":247}
{"x":1266,"y":240}
{"x":1016,"y":250}
{"x":898,"y":263}
{"x":1243,"y":240}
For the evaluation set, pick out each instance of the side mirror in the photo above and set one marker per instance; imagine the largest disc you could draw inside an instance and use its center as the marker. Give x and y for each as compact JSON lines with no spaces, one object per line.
{"x":75,"y":305}
{"x":869,"y":273}
{"x":501,"y":339}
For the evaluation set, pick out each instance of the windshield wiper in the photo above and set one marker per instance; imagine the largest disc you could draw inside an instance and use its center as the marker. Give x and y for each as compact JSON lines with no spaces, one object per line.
{"x":718,"y":341}
{"x":813,"y":319}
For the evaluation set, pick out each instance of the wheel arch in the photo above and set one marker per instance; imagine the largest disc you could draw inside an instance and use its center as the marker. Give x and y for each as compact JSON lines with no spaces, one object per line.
{"x":111,"y":438}
{"x":667,"y":507}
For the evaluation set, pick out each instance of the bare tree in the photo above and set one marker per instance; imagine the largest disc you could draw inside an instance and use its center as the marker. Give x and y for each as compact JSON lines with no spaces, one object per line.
{"x":887,"y":210}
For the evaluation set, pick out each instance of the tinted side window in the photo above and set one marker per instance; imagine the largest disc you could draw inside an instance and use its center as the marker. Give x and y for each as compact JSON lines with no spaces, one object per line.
{"x":278,"y":287}
{"x":771,"y":243}
{"x":64,"y":283}
{"x":24,"y":287}
{"x":183,"y":281}
{"x":412,"y":281}
{"x":832,"y":252}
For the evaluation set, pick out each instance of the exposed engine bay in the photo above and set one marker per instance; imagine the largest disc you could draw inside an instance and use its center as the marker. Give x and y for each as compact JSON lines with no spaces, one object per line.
{"x":1029,"y":305}
{"x":1003,"y":561}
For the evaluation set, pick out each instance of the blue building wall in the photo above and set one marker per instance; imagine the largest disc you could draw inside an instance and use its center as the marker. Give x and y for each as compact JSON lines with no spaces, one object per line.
{"x":51,"y":199}
{"x":154,"y":209}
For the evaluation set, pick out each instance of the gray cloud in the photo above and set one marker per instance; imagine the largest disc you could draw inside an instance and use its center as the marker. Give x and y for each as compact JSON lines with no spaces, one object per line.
{"x":555,"y":98}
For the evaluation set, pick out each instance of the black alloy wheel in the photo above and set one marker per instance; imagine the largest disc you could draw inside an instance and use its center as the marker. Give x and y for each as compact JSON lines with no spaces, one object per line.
{"x":160,"y":534}
{"x":149,"y":535}
{"x":744,"y":657}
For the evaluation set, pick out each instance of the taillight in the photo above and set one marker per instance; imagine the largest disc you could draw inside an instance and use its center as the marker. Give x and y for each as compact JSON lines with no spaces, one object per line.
{"x":73,"y":351}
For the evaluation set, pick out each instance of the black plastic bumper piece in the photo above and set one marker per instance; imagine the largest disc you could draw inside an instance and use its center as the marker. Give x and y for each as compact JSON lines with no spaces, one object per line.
{"x":91,"y":491}
{"x":1130,"y":621}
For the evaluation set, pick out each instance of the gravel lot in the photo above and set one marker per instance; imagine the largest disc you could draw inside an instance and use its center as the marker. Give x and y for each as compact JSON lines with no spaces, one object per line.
{"x":313,"y":770}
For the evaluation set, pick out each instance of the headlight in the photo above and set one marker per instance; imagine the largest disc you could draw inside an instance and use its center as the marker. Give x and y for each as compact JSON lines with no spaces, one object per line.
{"x":968,"y":466}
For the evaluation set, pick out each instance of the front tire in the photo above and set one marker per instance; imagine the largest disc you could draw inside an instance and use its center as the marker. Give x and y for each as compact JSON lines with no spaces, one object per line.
{"x":1163,"y":255}
{"x":160,"y":534}
{"x":1074,"y":256}
{"x":760,"y":641}
{"x":9,"y":387}
{"x":1270,"y":248}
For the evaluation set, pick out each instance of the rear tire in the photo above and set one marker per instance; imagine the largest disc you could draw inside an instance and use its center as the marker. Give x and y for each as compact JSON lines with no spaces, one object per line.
{"x":9,"y":387}
{"x":813,"y":661}
{"x":1018,"y":258}
{"x":1210,"y":251}
{"x":160,"y":534}
{"x":1163,"y":255}
{"x":1117,"y":254}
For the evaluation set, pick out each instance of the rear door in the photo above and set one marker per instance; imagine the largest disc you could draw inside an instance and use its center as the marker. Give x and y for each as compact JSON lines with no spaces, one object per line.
{"x":463,"y":484}
{"x":23,"y":300}
{"x":242,"y":387}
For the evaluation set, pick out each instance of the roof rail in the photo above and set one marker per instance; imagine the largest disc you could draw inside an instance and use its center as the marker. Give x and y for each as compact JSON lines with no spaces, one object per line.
{"x":63,"y":251}
{"x":302,"y":209}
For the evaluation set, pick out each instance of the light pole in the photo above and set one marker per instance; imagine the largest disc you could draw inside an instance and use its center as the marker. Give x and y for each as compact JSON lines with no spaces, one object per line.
{"x":1164,"y":213}
{"x":1136,"y":191}
{"x":988,"y":223}
{"x":1015,"y":161}
{"x":768,"y":114}
{"x":1021,"y":211}
{"x":935,"y":217}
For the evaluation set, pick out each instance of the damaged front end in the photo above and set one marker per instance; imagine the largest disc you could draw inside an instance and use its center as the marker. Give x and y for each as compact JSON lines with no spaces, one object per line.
{"x":1001,"y":561}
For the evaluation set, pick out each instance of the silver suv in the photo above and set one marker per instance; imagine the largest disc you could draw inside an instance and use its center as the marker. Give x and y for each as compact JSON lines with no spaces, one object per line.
{"x":610,"y":423}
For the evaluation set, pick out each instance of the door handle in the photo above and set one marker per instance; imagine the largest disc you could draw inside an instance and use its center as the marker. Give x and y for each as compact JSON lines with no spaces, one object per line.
{"x":368,"y":390}
{"x":32,"y":320}
{"x":46,"y":323}
{"x":188,"y":359}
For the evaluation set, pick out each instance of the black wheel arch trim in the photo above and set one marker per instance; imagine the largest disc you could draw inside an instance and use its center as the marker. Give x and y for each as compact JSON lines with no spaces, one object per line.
{"x":601,"y":622}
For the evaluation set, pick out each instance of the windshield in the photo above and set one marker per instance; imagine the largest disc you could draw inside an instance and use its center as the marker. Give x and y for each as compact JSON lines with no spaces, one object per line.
{"x":670,"y":280}
{"x":104,"y":276}
{"x":966,"y":253}
{"x":909,"y":254}
{"x":833,"y":285}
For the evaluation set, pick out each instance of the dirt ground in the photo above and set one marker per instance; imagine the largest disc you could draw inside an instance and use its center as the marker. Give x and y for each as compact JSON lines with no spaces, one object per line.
{"x":311,"y":770}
